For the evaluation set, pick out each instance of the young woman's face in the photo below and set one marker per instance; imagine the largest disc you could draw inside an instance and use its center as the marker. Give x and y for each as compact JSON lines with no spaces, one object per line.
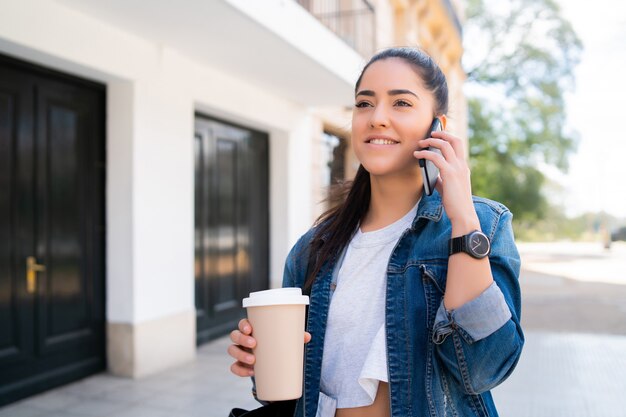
{"x":392,"y":112}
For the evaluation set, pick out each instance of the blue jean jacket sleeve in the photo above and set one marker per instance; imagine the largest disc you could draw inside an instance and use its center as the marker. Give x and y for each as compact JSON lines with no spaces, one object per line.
{"x":296,"y":262}
{"x":477,"y":318}
{"x":480,"y":342}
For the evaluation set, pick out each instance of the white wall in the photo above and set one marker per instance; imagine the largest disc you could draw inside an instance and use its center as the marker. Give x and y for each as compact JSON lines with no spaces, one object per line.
{"x":152,"y":92}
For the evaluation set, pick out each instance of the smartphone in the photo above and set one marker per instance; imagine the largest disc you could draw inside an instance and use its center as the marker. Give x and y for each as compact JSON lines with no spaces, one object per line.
{"x":430,"y":172}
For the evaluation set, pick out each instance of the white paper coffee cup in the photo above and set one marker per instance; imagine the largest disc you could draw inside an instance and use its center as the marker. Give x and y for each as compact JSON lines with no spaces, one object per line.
{"x":277,"y":319}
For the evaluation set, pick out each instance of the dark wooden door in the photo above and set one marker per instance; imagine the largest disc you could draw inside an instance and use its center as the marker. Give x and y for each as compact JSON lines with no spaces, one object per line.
{"x":231,"y":222}
{"x":51,"y":229}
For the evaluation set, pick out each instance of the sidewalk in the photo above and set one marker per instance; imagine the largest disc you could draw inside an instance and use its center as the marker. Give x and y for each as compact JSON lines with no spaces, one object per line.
{"x":204,"y":388}
{"x":569,"y":375}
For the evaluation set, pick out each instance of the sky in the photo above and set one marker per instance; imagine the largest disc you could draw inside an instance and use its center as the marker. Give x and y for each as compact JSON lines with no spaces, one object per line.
{"x":596,"y":180}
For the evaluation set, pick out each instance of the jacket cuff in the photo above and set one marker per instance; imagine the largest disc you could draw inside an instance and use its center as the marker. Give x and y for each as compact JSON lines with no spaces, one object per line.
{"x":475,"y":319}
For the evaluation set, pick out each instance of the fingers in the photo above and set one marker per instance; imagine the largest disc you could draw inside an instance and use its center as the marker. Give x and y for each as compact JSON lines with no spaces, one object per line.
{"x":241,"y":352}
{"x":241,"y":369}
{"x":242,"y":336}
{"x":241,"y":349}
{"x":445,"y":147}
{"x":307,"y":337}
{"x":241,"y":339}
{"x":456,"y":142}
{"x":438,"y":159}
{"x":439,"y":186}
{"x":245,"y":327}
{"x":241,"y":355}
{"x":452,"y":151}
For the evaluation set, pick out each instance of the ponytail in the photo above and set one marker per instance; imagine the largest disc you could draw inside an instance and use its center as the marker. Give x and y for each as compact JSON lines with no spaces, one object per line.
{"x":337,"y":225}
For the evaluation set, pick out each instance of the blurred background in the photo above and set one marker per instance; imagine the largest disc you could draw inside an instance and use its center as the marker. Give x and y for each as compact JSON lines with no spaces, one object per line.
{"x":159,"y":159}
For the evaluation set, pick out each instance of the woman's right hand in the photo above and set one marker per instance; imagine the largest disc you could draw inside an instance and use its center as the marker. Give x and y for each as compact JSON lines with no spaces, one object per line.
{"x":241,"y":349}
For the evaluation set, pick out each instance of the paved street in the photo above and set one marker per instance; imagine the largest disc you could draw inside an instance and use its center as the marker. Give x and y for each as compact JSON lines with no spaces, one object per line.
{"x":574,"y":361}
{"x":574,"y":315}
{"x":566,"y":375}
{"x":574,"y":287}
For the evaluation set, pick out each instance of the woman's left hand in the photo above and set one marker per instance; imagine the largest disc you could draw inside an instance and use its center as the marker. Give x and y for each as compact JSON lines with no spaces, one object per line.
{"x":453,"y":183}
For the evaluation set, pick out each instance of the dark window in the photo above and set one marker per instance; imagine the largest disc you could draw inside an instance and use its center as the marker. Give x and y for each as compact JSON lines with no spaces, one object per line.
{"x":335,"y":147}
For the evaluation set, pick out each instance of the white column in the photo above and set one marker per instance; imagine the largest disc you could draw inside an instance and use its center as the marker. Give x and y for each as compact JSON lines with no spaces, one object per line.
{"x":150,"y":303}
{"x":280,"y":242}
{"x":119,"y":202}
{"x":299,"y":177}
{"x":291,"y":197}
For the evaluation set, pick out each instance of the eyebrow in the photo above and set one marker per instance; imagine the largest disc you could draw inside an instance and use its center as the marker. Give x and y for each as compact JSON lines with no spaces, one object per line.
{"x":390,"y":92}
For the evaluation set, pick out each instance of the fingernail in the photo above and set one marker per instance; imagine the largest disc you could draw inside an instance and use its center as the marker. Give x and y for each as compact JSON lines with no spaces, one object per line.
{"x":246,"y":329}
{"x":249,"y":358}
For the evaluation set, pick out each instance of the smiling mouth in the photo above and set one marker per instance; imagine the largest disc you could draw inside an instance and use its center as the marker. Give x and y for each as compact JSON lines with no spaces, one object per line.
{"x":382,"y":142}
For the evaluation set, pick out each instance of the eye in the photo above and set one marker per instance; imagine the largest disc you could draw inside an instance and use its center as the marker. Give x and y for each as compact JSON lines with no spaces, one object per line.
{"x":403,"y":103}
{"x":362,"y":104}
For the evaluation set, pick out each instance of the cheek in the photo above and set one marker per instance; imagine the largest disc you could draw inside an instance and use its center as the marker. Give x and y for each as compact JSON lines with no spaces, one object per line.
{"x":412,"y":131}
{"x":412,"y":128}
{"x":359,"y":120}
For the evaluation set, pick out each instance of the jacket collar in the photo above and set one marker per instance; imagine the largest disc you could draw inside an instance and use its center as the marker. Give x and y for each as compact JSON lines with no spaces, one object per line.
{"x":430,"y":207}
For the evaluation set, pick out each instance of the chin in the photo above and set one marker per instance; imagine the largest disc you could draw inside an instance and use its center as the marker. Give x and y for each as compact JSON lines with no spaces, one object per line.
{"x":384,"y":171}
{"x":377,"y":168}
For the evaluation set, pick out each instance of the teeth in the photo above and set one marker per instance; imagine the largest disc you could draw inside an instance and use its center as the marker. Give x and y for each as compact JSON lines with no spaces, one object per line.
{"x":382,"y":142}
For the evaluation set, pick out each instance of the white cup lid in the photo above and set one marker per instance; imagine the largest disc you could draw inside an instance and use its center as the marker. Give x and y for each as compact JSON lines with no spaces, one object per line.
{"x":276,"y":296}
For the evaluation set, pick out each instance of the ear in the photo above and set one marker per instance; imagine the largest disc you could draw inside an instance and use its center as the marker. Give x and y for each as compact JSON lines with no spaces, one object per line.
{"x":444,"y":121}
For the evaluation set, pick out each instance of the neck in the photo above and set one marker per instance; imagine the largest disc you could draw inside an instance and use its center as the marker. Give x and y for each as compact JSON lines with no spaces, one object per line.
{"x":391,"y":198}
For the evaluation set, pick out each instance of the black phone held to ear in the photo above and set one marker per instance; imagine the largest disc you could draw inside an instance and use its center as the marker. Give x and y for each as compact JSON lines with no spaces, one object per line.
{"x":430,"y":172}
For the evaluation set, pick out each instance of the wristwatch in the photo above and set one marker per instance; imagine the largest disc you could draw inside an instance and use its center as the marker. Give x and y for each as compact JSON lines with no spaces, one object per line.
{"x":476,"y":244}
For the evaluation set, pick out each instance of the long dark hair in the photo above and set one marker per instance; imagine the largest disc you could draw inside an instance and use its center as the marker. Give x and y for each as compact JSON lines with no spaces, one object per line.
{"x":336,"y":226}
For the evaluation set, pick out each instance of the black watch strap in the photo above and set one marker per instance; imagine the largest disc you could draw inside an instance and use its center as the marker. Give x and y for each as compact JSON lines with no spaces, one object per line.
{"x":476,"y":244}
{"x":457,"y":244}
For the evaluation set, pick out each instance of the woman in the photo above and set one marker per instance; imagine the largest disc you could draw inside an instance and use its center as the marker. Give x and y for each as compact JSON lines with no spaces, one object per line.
{"x":415,"y":301}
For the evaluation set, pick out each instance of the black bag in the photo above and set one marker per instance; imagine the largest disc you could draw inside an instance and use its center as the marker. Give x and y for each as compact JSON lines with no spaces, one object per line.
{"x":275,"y":409}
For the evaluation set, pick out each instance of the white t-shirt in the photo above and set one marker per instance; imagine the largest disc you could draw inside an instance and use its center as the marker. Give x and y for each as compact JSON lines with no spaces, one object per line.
{"x":354,"y":358}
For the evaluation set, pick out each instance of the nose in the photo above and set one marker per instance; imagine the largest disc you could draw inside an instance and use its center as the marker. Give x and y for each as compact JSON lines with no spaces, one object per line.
{"x":379,"y":118}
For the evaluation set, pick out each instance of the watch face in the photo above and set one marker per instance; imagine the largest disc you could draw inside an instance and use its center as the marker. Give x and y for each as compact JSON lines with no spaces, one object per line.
{"x":478,"y":244}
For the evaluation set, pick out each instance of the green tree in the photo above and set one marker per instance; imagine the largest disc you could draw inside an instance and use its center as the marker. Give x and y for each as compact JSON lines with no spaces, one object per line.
{"x":520,"y":57}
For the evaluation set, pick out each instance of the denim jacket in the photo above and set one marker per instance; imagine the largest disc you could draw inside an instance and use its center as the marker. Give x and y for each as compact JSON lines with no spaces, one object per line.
{"x":440,"y":363}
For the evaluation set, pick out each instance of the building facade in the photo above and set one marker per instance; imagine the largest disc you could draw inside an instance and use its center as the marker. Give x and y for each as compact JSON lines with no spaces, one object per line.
{"x":157,"y":162}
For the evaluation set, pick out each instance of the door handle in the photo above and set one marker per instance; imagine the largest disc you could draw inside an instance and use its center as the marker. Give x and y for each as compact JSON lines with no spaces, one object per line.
{"x":32,"y":267}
